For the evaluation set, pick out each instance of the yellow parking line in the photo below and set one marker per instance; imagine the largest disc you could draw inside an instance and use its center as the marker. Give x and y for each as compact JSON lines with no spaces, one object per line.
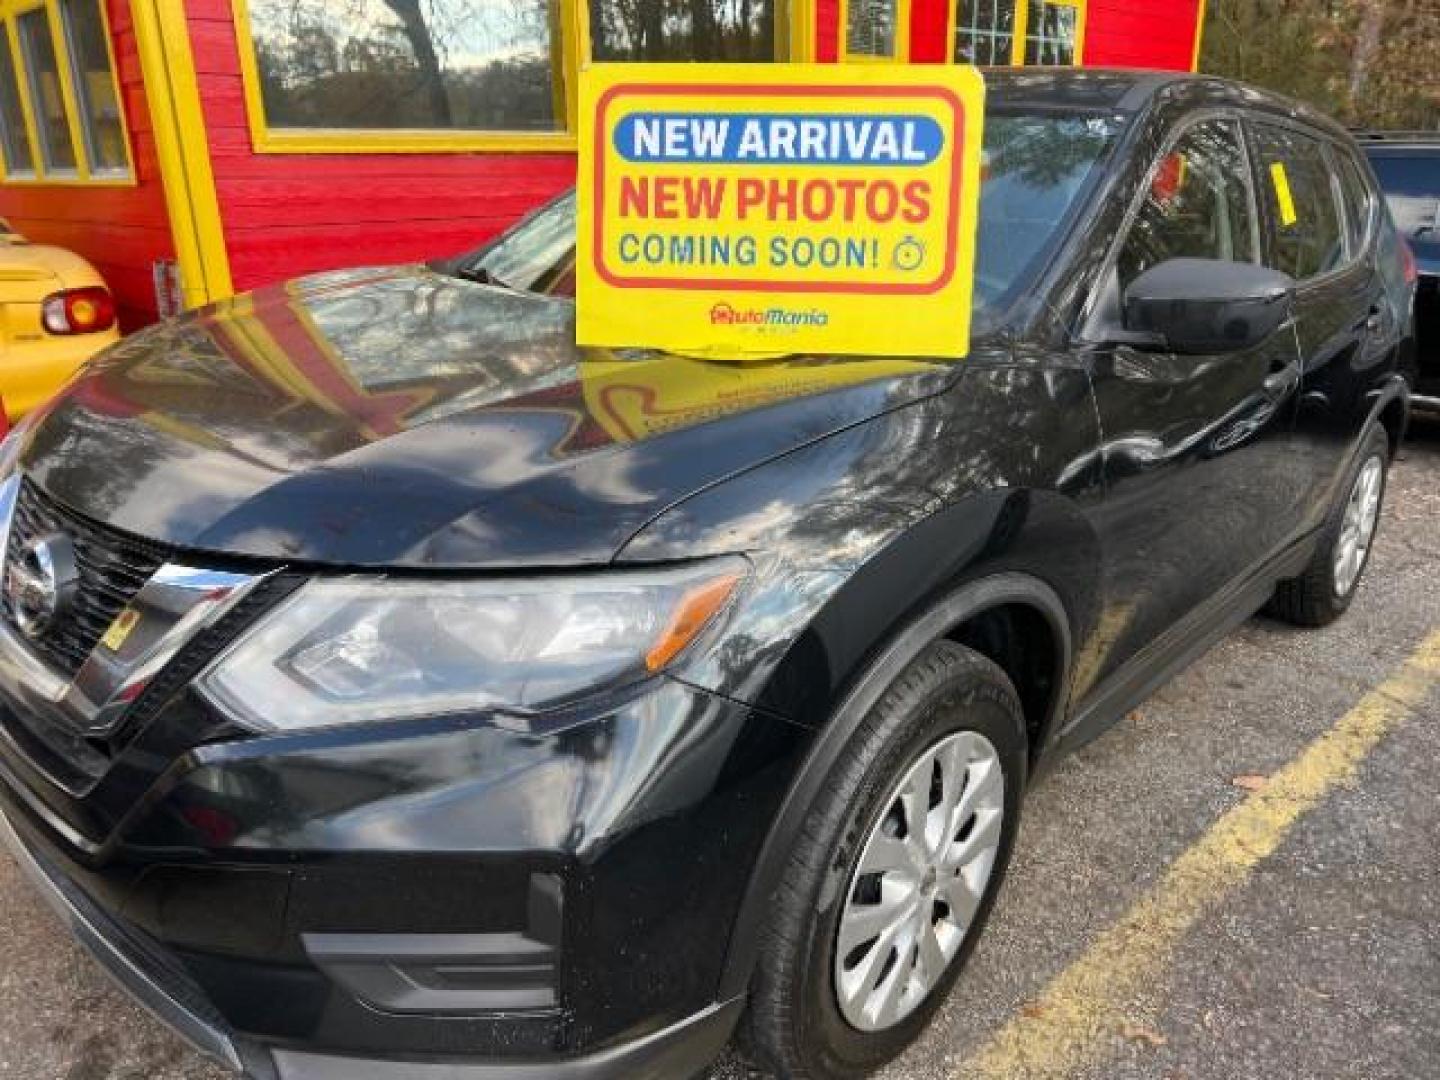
{"x":1089,"y":1002}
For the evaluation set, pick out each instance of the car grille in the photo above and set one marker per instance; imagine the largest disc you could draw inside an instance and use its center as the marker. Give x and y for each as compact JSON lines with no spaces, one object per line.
{"x":112,"y":568}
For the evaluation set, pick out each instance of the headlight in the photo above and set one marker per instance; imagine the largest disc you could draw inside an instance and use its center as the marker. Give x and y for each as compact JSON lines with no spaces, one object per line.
{"x":351,"y":649}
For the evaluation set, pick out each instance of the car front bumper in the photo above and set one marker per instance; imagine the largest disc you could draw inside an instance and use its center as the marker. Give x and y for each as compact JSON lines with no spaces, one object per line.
{"x":451,"y":902}
{"x":144,"y":972}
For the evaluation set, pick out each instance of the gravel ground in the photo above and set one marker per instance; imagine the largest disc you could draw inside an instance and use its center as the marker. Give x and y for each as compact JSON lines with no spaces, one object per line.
{"x":1325,"y":962}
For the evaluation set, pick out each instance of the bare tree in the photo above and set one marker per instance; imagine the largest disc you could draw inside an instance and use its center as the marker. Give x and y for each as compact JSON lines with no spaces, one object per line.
{"x":418,"y":33}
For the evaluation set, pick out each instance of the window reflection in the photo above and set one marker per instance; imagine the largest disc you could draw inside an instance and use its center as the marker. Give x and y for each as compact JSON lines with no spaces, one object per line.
{"x":984,"y":31}
{"x":870,"y":28}
{"x":18,"y":158}
{"x":94,"y":86}
{"x":1197,"y":207}
{"x":1051,"y":33}
{"x":1308,"y":240}
{"x":466,"y":65}
{"x":704,"y":30}
{"x":44,"y":72}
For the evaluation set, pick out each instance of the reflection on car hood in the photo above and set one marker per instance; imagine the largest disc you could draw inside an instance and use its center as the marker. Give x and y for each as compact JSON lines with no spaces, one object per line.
{"x":401,"y":417}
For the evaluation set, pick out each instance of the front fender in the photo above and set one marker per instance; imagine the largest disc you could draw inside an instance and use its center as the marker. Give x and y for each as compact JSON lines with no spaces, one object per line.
{"x":856,"y":535}
{"x":828,"y":745}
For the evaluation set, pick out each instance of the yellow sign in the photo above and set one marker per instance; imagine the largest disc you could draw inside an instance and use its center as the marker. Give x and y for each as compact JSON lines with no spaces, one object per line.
{"x":1283,"y":199}
{"x":778,"y":208}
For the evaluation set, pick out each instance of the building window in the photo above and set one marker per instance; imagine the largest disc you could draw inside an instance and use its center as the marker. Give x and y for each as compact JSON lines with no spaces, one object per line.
{"x":875,"y":29}
{"x":720,"y":31}
{"x":60,"y":116}
{"x":1051,"y":33}
{"x":426,"y":76}
{"x":447,"y":66}
{"x":984,"y":31}
{"x":1035,"y":32}
{"x":19,"y":160}
{"x":96,"y":98}
{"x":42,"y":68}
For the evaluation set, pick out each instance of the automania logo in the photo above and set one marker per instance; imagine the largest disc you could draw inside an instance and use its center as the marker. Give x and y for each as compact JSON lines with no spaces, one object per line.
{"x":723,"y":314}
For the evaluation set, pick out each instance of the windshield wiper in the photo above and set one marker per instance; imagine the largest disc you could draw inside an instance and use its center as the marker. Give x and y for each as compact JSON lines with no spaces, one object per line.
{"x":482,"y":275}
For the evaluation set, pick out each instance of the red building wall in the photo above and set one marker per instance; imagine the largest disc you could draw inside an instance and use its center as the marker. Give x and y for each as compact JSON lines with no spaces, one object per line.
{"x":121,"y":230}
{"x":290,"y":214}
{"x":1141,"y":33}
{"x":827,"y":30}
{"x":1118,"y":33}
{"x":930,"y":31}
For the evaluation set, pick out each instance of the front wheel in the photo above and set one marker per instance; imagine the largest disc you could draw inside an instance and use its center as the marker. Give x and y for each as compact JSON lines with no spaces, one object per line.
{"x":1324,"y":591}
{"x":894,"y":873}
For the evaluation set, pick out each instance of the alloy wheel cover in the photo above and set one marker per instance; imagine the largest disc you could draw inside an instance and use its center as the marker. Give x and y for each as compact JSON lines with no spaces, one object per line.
{"x":919,"y":881}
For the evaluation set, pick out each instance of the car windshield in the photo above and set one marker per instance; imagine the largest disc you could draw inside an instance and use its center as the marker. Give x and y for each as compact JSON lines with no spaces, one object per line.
{"x":1035,"y":167}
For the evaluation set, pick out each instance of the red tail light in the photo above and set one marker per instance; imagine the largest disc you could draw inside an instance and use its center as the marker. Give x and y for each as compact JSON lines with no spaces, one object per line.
{"x":78,"y":311}
{"x":1407,"y":264}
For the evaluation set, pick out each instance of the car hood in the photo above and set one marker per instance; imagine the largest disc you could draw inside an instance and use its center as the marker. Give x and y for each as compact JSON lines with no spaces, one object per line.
{"x":406,"y":418}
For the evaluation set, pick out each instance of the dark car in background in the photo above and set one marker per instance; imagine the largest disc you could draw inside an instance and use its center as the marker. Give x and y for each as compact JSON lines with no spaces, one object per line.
{"x":389,"y":688}
{"x":1408,"y":167}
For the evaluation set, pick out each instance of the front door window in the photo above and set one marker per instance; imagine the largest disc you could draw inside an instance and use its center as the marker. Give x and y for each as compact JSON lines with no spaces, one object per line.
{"x":1197,"y":205}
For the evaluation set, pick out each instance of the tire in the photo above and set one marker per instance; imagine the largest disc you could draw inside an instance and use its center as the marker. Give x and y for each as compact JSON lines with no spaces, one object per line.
{"x":1322,"y":593}
{"x":951,"y":701}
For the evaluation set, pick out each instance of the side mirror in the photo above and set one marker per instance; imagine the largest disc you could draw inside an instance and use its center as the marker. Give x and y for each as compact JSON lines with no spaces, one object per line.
{"x":1204,"y":306}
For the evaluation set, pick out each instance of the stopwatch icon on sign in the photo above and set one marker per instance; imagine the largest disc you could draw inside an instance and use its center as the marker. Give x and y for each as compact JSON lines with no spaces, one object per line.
{"x":909,"y":254}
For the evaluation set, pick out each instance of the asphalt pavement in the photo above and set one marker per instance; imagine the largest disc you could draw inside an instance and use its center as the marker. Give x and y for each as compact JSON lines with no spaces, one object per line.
{"x":1240,"y":880}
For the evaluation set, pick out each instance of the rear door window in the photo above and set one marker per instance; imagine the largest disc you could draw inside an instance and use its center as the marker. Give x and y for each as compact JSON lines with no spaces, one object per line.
{"x":1359,"y":203}
{"x":1306,"y":231}
{"x":1197,"y":204}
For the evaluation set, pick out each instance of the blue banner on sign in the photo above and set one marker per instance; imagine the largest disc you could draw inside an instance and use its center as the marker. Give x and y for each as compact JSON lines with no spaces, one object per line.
{"x":783,"y":138}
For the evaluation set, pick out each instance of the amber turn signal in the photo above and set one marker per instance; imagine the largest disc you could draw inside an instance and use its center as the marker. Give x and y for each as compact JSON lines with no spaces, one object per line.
{"x":78,"y":311}
{"x":694,"y":612}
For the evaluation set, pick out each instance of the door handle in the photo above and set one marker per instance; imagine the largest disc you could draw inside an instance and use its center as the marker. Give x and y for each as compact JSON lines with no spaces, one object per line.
{"x":1372,"y":321}
{"x":1279,"y":384}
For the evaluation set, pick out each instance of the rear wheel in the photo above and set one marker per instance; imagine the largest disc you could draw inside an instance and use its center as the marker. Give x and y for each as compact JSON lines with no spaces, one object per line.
{"x":1324,"y":591}
{"x":894,"y":873}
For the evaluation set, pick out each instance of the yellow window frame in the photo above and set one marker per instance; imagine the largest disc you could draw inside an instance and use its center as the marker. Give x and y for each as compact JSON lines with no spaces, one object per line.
{"x":1021,"y":29}
{"x":902,"y":36}
{"x":794,"y":40}
{"x":269,"y":140}
{"x":83,"y":175}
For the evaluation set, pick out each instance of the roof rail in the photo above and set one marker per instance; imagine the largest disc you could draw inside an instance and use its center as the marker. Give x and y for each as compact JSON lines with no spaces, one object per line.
{"x":1396,"y":136}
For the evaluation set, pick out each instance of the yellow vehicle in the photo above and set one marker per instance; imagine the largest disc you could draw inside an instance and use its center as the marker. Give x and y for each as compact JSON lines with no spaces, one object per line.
{"x":55,"y":313}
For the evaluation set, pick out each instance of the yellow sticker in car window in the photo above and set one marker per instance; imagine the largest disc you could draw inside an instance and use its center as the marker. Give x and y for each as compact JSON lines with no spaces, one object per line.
{"x":1283,"y":198}
{"x":120,"y":629}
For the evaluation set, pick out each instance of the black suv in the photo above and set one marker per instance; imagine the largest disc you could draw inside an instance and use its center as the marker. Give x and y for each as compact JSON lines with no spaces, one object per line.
{"x":390,"y":689}
{"x":1408,"y":167}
